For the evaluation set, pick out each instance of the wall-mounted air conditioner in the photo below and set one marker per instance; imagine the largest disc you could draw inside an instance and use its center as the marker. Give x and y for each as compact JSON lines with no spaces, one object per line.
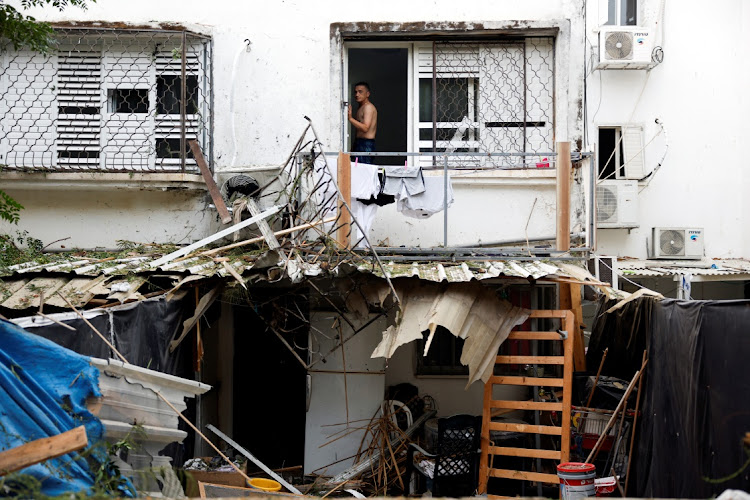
{"x":604,"y":269}
{"x":625,"y":47}
{"x":677,"y":243}
{"x":617,"y":204}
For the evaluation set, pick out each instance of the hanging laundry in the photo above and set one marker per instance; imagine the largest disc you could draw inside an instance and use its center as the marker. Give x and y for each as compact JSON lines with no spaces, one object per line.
{"x":365,"y":182}
{"x":365,"y":216}
{"x":430,"y":201}
{"x":403,"y":181}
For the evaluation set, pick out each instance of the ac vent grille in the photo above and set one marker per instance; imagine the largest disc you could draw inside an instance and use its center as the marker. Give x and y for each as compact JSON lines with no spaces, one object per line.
{"x":618,"y":45}
{"x":672,"y":243}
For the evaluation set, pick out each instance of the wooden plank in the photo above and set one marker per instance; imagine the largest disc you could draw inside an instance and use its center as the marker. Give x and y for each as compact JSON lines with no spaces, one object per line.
{"x":42,"y":449}
{"x":547,"y":313}
{"x":208,"y":178}
{"x":200,"y":309}
{"x":527,"y":405}
{"x":524,"y":452}
{"x":534,"y":336}
{"x":549,"y":430}
{"x":563,"y":168}
{"x":525,"y":476}
{"x":484,"y":442}
{"x":568,"y":324}
{"x":530,"y":360}
{"x":532,"y":381}
{"x":344,"y":174}
{"x":265,"y":228}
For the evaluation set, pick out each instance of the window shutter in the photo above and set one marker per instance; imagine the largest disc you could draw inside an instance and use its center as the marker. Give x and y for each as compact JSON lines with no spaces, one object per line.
{"x":79,"y":100}
{"x":632,"y":148}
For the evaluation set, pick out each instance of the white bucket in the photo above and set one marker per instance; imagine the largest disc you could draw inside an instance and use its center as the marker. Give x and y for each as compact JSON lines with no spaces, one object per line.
{"x":576,"y":480}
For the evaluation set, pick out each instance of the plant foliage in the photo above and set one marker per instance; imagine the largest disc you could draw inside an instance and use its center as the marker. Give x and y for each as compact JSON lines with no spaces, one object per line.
{"x":26,"y":32}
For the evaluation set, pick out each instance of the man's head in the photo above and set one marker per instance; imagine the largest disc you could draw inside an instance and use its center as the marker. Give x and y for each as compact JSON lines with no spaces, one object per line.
{"x":361,"y":92}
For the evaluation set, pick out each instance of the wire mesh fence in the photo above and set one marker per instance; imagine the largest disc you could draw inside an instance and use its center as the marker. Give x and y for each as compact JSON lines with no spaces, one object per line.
{"x":487,"y":98}
{"x":107,"y":100}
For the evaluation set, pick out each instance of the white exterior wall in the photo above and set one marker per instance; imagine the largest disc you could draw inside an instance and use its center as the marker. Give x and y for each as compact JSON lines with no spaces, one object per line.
{"x":293,"y":68}
{"x":699,"y":93}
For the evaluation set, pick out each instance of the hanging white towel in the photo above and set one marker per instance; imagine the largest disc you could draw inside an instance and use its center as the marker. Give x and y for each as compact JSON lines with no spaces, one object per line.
{"x":365,"y":182}
{"x":429,"y":202}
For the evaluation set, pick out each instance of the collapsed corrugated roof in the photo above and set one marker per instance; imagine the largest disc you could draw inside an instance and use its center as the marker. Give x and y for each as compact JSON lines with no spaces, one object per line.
{"x":80,"y":280}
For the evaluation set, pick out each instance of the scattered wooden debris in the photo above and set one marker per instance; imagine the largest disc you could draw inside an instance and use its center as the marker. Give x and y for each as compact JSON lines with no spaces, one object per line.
{"x":42,"y":449}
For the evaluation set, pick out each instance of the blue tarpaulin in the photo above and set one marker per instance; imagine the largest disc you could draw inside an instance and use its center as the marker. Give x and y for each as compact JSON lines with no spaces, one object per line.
{"x":43,"y":392}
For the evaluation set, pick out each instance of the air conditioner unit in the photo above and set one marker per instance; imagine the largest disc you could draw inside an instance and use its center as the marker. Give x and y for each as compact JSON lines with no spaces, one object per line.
{"x":625,"y":47}
{"x":604,"y":269}
{"x":677,"y":243}
{"x":617,"y":204}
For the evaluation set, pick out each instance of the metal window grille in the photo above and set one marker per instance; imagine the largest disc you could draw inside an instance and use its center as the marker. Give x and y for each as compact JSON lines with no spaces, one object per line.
{"x":108,"y":100}
{"x":486,"y":98}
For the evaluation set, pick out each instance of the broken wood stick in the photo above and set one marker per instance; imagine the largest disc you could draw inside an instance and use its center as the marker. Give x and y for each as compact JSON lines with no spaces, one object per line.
{"x":50,"y":318}
{"x":596,"y":380}
{"x":613,"y":418}
{"x":250,"y":457}
{"x":208,"y":178}
{"x":265,"y":229}
{"x":358,"y":468}
{"x":217,"y":236}
{"x":632,"y":431}
{"x":42,"y":449}
{"x":283,"y":232}
{"x":200,"y":309}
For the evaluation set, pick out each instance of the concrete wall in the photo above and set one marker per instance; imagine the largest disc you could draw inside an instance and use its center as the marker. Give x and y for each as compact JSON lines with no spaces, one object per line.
{"x":293,"y":68}
{"x":699,"y":94}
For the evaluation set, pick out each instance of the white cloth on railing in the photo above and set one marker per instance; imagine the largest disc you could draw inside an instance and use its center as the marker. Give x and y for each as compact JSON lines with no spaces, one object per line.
{"x":429,"y":202}
{"x":365,"y":182}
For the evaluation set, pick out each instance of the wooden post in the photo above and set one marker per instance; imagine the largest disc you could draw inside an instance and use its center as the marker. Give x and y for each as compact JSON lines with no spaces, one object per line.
{"x":343,"y":236}
{"x":564,"y":170}
{"x":570,"y":294}
{"x":208,"y":178}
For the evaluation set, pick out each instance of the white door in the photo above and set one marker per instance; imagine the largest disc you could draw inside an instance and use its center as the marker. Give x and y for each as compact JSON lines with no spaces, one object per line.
{"x":338,"y":396}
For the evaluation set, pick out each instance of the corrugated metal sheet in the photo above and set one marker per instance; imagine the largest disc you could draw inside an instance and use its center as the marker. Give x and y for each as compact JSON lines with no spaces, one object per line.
{"x":656,"y":268}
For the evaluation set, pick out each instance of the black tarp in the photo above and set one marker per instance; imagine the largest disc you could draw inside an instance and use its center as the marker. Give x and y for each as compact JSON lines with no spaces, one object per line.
{"x":696,"y":399}
{"x":140,"y":331}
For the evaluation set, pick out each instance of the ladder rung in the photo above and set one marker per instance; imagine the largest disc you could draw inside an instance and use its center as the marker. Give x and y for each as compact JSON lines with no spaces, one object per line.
{"x":530,"y":360}
{"x":527,"y":405}
{"x":534,"y":336}
{"x":525,"y":476}
{"x":524,"y":452}
{"x":528,"y":428}
{"x":535,"y":381}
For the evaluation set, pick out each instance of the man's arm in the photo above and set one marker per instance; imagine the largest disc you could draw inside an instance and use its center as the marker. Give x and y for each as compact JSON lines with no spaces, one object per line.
{"x":366,"y":123}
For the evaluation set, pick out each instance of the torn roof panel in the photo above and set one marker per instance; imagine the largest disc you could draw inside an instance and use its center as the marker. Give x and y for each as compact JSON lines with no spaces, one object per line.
{"x":657,"y":268}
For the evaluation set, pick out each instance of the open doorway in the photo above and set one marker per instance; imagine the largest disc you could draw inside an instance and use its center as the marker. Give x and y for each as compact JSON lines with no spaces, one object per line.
{"x":386,"y":72}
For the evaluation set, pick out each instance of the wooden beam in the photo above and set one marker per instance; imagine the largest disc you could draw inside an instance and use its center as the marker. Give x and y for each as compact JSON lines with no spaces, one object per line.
{"x":208,"y":178}
{"x":344,"y":179}
{"x":563,"y":169}
{"x":42,"y":449}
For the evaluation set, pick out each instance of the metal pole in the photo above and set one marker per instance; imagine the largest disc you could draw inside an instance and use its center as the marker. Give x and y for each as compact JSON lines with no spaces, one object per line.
{"x":183,"y":99}
{"x":434,"y":102}
{"x":445,"y":201}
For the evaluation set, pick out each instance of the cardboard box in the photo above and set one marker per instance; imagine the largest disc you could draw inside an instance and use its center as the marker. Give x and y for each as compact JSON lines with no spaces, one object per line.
{"x":228,"y":478}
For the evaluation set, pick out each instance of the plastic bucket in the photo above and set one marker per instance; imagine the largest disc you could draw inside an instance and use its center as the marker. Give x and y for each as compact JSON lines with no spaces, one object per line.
{"x":576,"y":480}
{"x":260,"y":483}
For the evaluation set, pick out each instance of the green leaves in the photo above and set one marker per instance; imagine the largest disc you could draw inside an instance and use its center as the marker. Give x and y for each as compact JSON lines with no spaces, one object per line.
{"x":25,"y":31}
{"x":9,"y":208}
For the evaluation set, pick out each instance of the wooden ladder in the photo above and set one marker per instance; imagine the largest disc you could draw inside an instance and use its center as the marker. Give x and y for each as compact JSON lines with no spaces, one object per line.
{"x":486,"y":471}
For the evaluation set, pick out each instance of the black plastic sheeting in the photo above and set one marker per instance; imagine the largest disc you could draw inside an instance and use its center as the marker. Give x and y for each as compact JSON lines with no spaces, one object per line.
{"x":696,"y":398}
{"x":141,"y":332}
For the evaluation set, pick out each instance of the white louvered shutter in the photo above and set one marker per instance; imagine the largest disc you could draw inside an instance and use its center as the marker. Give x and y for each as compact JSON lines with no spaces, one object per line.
{"x":79,"y":98}
{"x":632,"y":149}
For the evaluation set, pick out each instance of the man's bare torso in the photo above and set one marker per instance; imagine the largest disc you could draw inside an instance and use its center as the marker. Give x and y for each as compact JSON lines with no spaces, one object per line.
{"x":368,"y":107}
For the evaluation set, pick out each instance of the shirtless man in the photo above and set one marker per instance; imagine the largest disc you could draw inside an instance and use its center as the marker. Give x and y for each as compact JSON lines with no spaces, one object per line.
{"x":366,"y":122}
